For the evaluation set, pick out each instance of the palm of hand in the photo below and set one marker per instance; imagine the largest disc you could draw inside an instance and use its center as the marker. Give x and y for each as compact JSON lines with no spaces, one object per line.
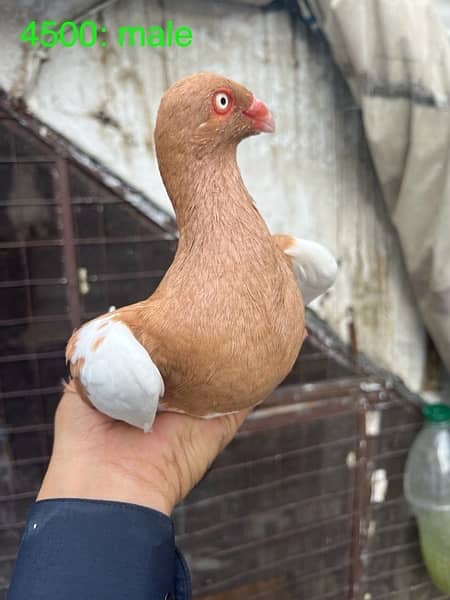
{"x":97,"y":457}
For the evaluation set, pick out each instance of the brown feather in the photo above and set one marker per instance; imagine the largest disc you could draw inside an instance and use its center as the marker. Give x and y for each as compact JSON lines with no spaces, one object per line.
{"x":226,"y":323}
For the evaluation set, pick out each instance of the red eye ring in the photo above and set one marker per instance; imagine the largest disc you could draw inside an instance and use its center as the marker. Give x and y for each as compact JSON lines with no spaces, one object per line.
{"x":222,"y":102}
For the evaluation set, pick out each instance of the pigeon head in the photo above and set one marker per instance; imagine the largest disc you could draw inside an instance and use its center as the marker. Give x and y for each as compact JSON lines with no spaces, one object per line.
{"x":205,"y":112}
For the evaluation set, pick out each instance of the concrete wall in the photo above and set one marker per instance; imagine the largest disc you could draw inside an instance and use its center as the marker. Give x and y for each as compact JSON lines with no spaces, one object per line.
{"x":314,"y":178}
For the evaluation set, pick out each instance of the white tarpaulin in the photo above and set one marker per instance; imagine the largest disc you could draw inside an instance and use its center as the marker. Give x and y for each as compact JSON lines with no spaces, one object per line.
{"x":395,"y":55}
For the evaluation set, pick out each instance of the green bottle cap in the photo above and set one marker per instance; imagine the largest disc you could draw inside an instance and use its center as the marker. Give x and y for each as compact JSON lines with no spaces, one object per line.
{"x":437,"y":413}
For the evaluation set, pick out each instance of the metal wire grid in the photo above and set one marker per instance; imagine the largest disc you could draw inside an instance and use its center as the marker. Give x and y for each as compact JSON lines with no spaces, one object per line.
{"x":290,"y":519}
{"x":394,"y":569}
{"x":47,"y":235}
{"x":64,"y":221}
{"x":275,"y":514}
{"x":286,"y":510}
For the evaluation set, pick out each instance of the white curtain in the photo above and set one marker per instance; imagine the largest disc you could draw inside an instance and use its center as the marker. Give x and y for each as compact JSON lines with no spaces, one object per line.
{"x":395,"y":55}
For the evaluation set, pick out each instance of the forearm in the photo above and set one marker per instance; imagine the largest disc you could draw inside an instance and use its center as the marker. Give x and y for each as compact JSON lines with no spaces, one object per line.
{"x":81,"y":549}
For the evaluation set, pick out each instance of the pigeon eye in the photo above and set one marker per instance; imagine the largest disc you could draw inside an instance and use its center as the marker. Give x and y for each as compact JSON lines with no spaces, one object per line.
{"x":221,"y":102}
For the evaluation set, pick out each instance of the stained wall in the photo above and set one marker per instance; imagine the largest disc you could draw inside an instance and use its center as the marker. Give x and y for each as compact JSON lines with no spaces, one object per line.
{"x":313,"y":178}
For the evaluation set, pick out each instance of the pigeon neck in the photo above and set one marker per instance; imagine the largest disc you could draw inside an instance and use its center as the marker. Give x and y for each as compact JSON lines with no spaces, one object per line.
{"x":209,"y":196}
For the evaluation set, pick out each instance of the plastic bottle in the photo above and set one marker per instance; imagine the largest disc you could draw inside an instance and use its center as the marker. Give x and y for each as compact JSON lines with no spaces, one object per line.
{"x":427,"y":489}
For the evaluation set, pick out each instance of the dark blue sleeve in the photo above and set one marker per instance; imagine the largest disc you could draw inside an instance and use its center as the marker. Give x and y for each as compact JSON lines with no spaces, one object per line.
{"x":97,"y":550}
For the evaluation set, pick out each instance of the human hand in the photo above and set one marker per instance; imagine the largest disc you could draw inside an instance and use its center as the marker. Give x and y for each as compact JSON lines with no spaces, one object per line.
{"x":95,"y":457}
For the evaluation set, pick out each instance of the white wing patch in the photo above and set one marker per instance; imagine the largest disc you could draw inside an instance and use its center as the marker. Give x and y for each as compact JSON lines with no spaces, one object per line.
{"x":119,"y":376}
{"x":314,"y":266}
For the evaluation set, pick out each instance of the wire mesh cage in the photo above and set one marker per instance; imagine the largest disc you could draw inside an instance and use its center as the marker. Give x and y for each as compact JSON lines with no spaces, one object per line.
{"x":289,"y":508}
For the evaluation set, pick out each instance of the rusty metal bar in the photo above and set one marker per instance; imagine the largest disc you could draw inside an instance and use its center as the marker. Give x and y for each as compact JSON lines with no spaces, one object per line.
{"x":91,"y":278}
{"x":34,"y":363}
{"x":216,"y":586}
{"x":279,"y":508}
{"x":131,"y":239}
{"x":87,"y":241}
{"x":18,"y":496}
{"x":335,"y":392}
{"x":125,"y":276}
{"x":335,"y":595}
{"x":279,"y":590}
{"x":400,"y":594}
{"x":389,"y":503}
{"x":17,"y":525}
{"x":99,"y":201}
{"x":359,"y":535}
{"x":316,"y":396}
{"x":396,"y":549}
{"x":63,"y":194}
{"x":32,"y":320}
{"x":285,"y":589}
{"x":26,"y":428}
{"x":302,"y":529}
{"x":31,"y":356}
{"x":327,"y":341}
{"x":31,"y":282}
{"x":31,"y":244}
{"x":396,"y":428}
{"x":266,"y":487}
{"x":352,"y":334}
{"x":76,"y":201}
{"x":301,"y":409}
{"x":322,"y":573}
{"x":103,"y":255}
{"x":15,"y":126}
{"x":18,"y":203}
{"x":348,"y":443}
{"x":31,"y":393}
{"x":7,"y":558}
{"x":396,"y":571}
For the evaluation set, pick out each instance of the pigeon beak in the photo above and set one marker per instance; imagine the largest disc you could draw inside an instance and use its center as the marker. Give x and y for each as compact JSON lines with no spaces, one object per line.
{"x":262,"y":120}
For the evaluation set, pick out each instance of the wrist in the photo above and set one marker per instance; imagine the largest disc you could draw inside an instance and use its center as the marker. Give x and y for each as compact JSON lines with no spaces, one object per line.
{"x":92,"y":481}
